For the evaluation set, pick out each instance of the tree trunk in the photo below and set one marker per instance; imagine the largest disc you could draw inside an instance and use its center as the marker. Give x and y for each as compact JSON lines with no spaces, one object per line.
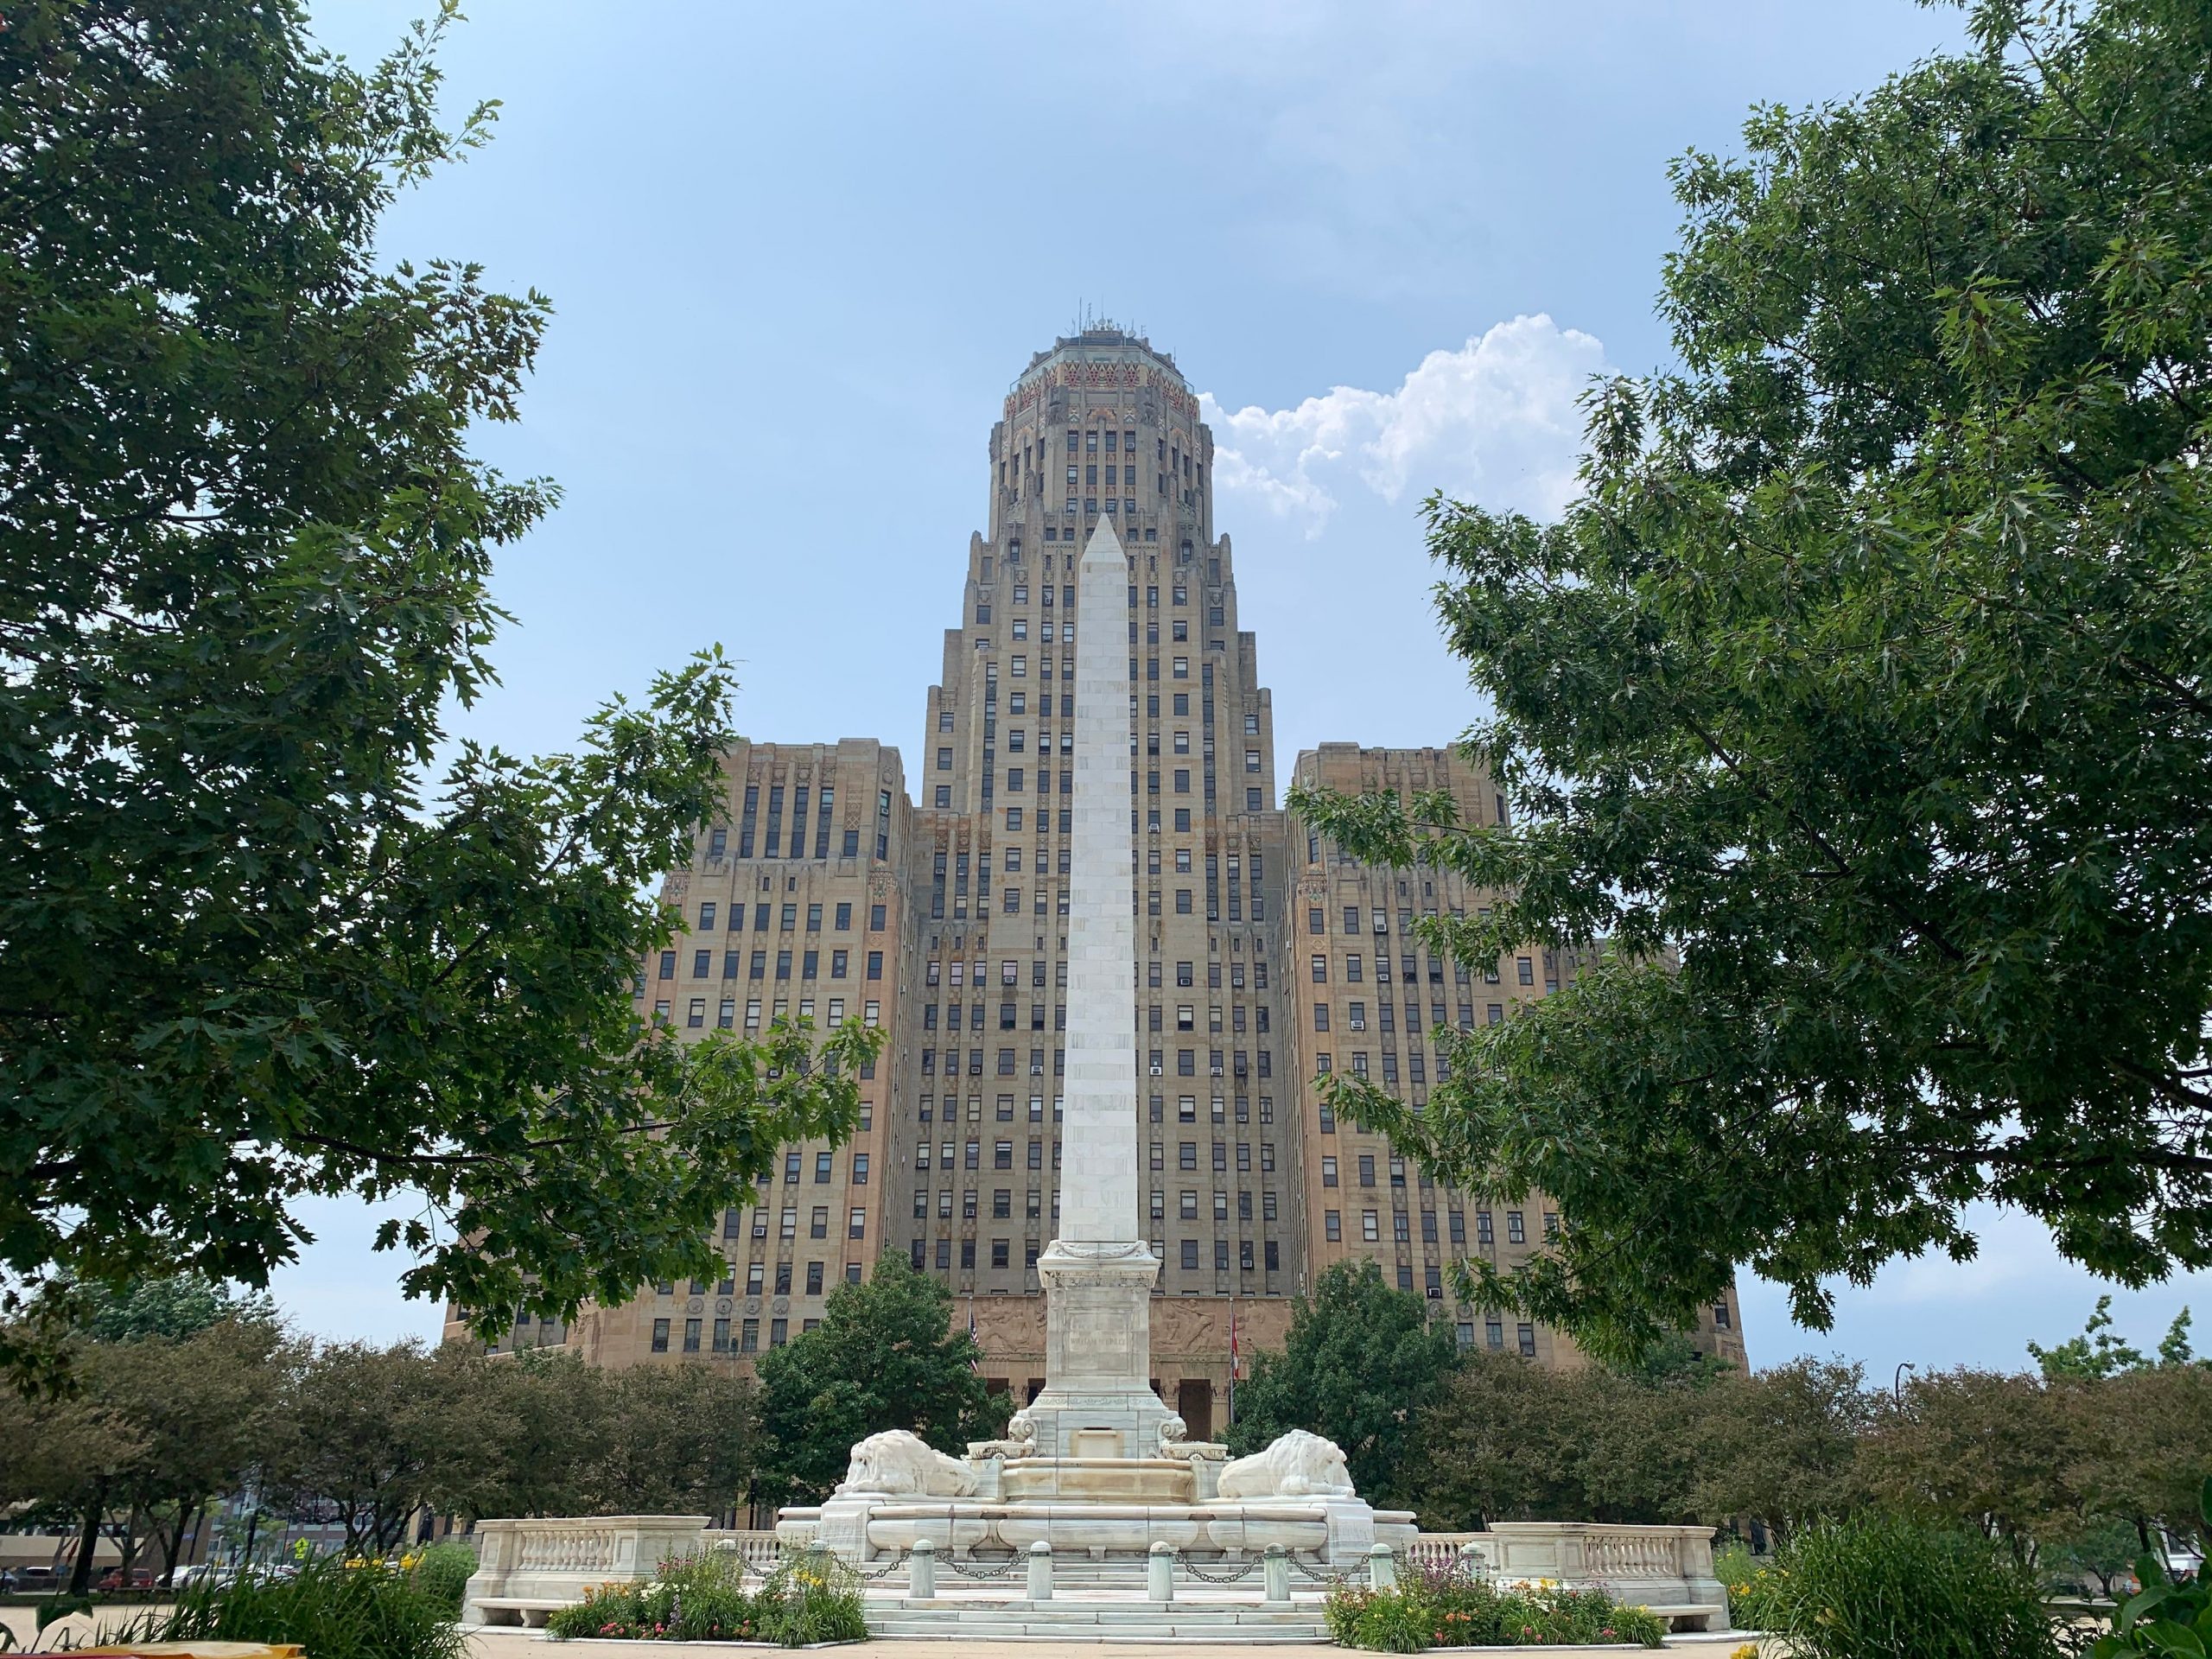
{"x":175,"y":1542}
{"x":80,"y":1575}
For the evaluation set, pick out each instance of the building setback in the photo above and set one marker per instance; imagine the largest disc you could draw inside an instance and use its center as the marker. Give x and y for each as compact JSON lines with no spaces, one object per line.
{"x":1264,"y":957}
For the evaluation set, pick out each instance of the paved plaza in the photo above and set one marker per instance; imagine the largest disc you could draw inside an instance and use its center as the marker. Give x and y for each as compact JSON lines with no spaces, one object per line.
{"x":529,"y":1644}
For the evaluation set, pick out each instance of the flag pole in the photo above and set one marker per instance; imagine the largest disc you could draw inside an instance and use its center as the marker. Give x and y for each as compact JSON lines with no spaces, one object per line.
{"x":1235,"y":1358}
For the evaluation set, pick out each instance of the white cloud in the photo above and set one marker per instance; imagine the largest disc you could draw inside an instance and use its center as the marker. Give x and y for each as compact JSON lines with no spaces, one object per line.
{"x":1494,"y":421}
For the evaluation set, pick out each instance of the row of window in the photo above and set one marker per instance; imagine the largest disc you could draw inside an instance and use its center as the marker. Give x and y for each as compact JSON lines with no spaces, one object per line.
{"x":787,"y":920}
{"x":1355,"y":968}
{"x":1151,"y":532}
{"x":1221,"y":1063}
{"x":1186,"y":1109}
{"x":1001,"y":1204}
{"x":748,"y":1339}
{"x":1000,"y":1254}
{"x":1001,"y":1154}
{"x":1316,"y":919}
{"x":809,"y":964}
{"x":1387,"y":1017}
{"x":757,"y":1281}
{"x":749,"y":825}
{"x":1401,"y":1222}
{"x":1269,"y":1254}
{"x":1186,"y":1156}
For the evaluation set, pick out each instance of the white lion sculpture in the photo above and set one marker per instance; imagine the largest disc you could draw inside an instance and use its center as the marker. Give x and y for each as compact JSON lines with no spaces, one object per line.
{"x":1298,"y":1465}
{"x":904,"y":1464}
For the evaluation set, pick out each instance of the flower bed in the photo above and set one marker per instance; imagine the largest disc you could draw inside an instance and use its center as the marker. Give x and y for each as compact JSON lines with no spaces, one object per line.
{"x":1446,"y":1608}
{"x":1753,"y":1588}
{"x":703,"y":1599}
{"x":334,"y":1609}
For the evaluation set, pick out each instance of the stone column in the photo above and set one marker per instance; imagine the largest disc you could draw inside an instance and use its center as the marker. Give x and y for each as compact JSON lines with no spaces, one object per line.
{"x":1099,"y":1273}
{"x":921,"y":1581}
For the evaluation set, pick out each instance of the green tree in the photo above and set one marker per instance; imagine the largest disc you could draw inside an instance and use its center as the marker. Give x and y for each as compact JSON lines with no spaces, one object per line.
{"x":1988,"y":1451}
{"x":200,"y":1405}
{"x":74,"y":1463}
{"x":2097,"y":1353}
{"x":2141,"y":1443}
{"x":156,"y":1427}
{"x":679,"y":1440}
{"x":1360,"y":1360}
{"x":366,"y":1438}
{"x":1854,"y":717}
{"x":1505,"y":1440}
{"x":1782,"y":1445}
{"x":884,"y":1356}
{"x":176,"y":1307}
{"x":254,"y":948}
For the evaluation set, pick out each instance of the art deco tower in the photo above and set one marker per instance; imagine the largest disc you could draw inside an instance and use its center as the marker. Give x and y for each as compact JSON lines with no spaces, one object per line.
{"x":1100,"y":428}
{"x":931,"y":895}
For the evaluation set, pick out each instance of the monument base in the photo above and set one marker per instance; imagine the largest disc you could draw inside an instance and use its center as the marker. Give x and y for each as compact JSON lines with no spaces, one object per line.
{"x":1098,"y":1402}
{"x":863,"y":1527}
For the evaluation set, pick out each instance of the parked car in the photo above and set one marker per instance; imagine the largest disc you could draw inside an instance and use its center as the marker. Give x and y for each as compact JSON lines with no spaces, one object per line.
{"x":140,"y":1579}
{"x":205,"y":1572}
{"x":35,"y":1581}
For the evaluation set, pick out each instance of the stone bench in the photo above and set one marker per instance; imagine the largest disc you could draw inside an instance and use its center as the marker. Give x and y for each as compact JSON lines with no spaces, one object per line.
{"x":1680,"y":1614}
{"x":528,"y":1611}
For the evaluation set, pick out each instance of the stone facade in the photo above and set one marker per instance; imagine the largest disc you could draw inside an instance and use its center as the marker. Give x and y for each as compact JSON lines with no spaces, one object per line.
{"x":827,"y":892}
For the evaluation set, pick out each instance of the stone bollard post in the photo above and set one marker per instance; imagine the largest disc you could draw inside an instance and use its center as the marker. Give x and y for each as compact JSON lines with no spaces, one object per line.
{"x":1274,"y":1576}
{"x":1160,"y":1573}
{"x":1040,"y":1571}
{"x":1382,"y":1568}
{"x":921,"y":1566}
{"x":1471,"y":1561}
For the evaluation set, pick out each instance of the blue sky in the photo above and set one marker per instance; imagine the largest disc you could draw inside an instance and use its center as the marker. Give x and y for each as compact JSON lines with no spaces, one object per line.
{"x":797,"y":252}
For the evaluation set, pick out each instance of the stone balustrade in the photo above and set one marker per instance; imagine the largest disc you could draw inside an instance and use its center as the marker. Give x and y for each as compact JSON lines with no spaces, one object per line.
{"x":761,"y":1551}
{"x":1668,"y":1569}
{"x":526,"y":1568}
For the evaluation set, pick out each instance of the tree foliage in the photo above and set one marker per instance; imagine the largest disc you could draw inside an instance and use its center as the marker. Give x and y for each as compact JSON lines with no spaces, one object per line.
{"x":1856,"y":711}
{"x":176,"y":1307}
{"x":1359,"y":1361}
{"x":366,"y":1437}
{"x":884,"y":1356}
{"x":2097,"y":1353}
{"x":251,"y":947}
{"x":160,"y":1423}
{"x":2051,"y":1466}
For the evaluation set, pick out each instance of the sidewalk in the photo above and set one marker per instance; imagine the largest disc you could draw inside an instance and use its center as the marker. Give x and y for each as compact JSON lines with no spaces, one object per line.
{"x":519,"y":1644}
{"x":524,"y":1644}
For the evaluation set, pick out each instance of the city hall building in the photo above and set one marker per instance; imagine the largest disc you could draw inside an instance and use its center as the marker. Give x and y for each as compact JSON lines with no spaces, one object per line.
{"x":927,"y":895}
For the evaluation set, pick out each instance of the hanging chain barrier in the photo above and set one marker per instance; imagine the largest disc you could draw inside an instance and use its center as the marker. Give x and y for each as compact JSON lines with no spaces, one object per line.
{"x":898,"y":1559}
{"x":1321,"y":1574}
{"x":1204,"y":1577}
{"x":998,"y":1571}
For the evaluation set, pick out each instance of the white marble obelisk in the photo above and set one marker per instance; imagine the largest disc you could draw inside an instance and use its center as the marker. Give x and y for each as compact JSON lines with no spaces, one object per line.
{"x":1099,"y":1273}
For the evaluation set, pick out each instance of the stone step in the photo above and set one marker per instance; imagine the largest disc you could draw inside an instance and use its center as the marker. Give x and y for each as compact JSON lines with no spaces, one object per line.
{"x":1201,"y":1634}
{"x":1099,"y":1622}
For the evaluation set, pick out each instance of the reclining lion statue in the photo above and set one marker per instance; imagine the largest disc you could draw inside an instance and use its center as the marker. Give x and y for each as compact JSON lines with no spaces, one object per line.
{"x":1298,"y":1465}
{"x":904,"y":1465}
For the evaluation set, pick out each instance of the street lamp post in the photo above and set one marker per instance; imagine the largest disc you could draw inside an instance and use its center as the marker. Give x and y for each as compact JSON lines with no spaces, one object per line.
{"x":1896,"y":1381}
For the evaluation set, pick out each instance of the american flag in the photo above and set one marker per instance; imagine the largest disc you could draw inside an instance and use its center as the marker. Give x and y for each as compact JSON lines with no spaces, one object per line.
{"x":975,"y":1347}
